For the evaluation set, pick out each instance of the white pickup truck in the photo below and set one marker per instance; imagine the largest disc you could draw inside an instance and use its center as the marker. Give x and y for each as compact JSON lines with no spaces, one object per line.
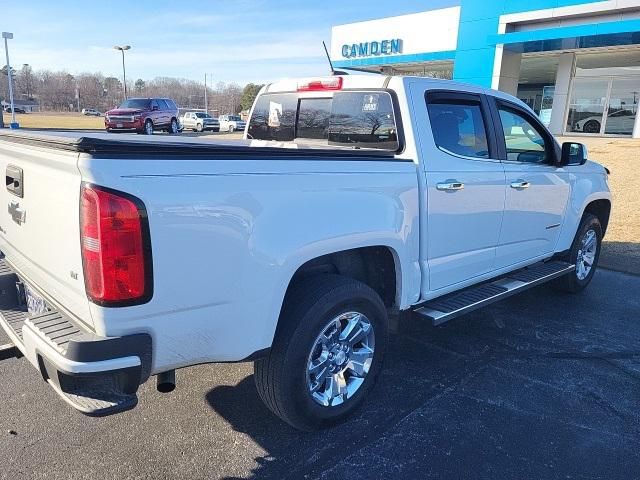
{"x":352,"y":198}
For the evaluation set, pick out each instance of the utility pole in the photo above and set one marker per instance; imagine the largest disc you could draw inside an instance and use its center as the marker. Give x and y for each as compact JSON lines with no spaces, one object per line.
{"x":9,"y":36}
{"x":206,"y":106}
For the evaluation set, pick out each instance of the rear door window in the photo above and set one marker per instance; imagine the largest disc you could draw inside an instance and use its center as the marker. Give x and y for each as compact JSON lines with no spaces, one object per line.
{"x":459,"y":123}
{"x":357,"y":119}
{"x":459,"y":128}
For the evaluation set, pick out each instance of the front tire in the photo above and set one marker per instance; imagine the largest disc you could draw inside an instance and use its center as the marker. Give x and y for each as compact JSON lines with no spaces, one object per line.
{"x":327,"y":352}
{"x":200,"y":128}
{"x":584,"y":254}
{"x":592,"y":126}
{"x":231,"y":128}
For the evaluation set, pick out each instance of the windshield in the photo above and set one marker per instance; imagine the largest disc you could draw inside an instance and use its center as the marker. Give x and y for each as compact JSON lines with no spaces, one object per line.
{"x":135,"y":103}
{"x":203,"y":115}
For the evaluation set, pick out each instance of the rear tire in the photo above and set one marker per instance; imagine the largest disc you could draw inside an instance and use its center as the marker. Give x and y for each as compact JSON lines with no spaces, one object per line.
{"x":148,"y":127}
{"x":584,"y":253}
{"x":312,"y":377}
{"x":173,"y":127}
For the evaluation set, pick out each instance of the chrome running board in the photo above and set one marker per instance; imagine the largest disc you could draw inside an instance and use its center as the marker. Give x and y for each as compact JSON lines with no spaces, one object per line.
{"x":452,"y":305}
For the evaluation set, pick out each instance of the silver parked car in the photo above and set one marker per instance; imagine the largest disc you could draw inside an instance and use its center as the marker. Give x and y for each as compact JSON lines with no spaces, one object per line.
{"x":91,"y":111}
{"x":199,"y":122}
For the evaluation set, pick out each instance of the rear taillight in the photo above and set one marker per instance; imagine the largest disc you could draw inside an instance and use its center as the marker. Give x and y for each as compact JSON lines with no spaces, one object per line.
{"x":320,"y":84}
{"x":116,"y":253}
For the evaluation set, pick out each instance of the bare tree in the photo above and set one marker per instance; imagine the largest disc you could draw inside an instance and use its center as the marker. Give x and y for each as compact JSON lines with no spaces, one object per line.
{"x":57,"y":90}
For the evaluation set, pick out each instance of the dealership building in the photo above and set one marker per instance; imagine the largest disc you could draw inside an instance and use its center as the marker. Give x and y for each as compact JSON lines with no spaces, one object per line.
{"x":575,"y":62}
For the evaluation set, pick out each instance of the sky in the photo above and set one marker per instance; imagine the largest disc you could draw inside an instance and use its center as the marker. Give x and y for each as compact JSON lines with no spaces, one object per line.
{"x":237,"y":41}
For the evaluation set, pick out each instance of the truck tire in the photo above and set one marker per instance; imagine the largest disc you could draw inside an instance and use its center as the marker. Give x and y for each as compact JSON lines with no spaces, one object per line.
{"x":199,"y":127}
{"x":327,"y":352}
{"x":584,"y":253}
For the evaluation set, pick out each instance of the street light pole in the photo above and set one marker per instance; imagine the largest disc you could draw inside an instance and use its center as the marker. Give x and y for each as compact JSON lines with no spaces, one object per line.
{"x":124,"y":71}
{"x":9,"y":36}
{"x":206,"y":109}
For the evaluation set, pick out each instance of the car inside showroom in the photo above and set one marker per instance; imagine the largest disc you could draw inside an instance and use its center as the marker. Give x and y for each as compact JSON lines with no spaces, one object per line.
{"x":575,"y":63}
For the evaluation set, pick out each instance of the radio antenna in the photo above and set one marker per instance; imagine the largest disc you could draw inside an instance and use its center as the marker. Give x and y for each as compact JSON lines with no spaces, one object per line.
{"x":333,"y":72}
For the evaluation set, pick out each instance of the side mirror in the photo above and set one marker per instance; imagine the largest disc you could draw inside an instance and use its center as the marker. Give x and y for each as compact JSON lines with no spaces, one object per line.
{"x":573,"y":153}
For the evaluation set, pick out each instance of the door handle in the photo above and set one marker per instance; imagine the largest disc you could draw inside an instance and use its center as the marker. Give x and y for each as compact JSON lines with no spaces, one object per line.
{"x":13,"y":178}
{"x":450,"y":186}
{"x":520,"y":184}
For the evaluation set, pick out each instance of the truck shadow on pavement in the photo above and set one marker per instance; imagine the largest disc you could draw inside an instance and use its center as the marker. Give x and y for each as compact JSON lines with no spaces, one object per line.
{"x":542,"y":385}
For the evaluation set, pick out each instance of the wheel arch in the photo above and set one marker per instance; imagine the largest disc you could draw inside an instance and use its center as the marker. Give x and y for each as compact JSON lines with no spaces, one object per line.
{"x":360,"y":263}
{"x":601,"y":208}
{"x":378,"y":266}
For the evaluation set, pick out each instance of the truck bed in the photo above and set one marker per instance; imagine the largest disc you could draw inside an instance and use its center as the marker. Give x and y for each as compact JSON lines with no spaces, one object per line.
{"x":102,"y":143}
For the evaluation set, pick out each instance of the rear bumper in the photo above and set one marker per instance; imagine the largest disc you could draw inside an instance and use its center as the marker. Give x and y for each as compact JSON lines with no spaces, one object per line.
{"x":96,"y":375}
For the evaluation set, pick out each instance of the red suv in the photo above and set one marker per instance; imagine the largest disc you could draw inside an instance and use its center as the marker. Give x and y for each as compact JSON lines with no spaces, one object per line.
{"x":143,"y":115}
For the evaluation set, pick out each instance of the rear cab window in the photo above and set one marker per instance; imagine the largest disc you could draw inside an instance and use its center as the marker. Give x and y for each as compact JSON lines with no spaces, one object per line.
{"x":358,"y":119}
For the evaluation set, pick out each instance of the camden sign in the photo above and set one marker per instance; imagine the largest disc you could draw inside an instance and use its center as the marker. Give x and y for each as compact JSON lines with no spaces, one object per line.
{"x":374,"y":48}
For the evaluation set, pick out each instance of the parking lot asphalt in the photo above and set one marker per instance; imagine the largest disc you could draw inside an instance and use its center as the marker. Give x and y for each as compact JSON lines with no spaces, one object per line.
{"x":542,"y":385}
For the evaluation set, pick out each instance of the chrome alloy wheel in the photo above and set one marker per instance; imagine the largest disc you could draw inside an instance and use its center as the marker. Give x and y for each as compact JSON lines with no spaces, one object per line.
{"x":586,"y":254}
{"x":340,"y":359}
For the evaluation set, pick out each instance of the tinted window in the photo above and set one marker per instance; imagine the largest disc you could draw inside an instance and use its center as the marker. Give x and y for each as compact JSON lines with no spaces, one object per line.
{"x":524,"y":142}
{"x":364,"y":120}
{"x":313,"y":118}
{"x":170,"y":104}
{"x":202,"y":115}
{"x":274,"y":118}
{"x":459,"y":128}
{"x":358,"y":119}
{"x":135,"y":103}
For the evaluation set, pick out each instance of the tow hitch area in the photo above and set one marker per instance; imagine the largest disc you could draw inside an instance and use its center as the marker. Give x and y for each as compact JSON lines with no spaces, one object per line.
{"x":8,"y":351}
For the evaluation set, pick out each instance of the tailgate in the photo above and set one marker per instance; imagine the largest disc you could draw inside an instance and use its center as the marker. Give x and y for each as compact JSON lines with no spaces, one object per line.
{"x":39,"y":223}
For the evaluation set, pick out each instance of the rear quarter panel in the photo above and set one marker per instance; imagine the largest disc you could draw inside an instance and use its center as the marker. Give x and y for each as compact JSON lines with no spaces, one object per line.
{"x":228,"y":235}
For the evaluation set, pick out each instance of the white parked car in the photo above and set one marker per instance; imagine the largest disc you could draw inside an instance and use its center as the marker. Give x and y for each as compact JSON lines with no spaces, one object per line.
{"x":231,"y":123}
{"x":358,"y":197}
{"x":91,"y":112}
{"x":199,"y":122}
{"x":618,"y":122}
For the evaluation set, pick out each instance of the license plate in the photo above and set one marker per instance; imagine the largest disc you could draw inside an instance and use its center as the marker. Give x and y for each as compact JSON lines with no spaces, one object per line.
{"x":35,"y":303}
{"x":118,"y":125}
